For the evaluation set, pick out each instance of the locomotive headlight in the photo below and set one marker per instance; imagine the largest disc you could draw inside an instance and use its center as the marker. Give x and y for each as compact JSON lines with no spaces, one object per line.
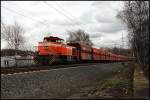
{"x":46,"y":47}
{"x":35,"y":48}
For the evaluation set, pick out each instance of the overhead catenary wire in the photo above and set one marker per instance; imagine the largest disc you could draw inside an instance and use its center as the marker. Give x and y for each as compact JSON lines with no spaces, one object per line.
{"x":33,"y":15}
{"x":49,"y":5}
{"x":28,"y":12}
{"x":70,"y":20}
{"x":73,"y":17}
{"x":24,"y":15}
{"x":64,"y":9}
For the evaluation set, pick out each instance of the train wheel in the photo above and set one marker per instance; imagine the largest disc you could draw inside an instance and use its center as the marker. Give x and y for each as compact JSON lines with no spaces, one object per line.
{"x":52,"y":60}
{"x":37,"y":60}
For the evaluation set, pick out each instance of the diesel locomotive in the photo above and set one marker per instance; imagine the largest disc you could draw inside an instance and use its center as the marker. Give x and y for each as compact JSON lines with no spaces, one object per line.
{"x":53,"y":50}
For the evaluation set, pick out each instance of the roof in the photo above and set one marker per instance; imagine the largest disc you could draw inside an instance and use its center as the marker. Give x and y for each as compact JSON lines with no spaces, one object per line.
{"x":52,"y":38}
{"x":79,"y":43}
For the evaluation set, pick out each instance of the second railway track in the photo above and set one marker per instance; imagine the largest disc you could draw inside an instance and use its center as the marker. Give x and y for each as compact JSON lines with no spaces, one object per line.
{"x":12,"y":70}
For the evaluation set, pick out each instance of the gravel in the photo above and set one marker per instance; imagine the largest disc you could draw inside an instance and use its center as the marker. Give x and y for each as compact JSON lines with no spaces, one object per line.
{"x":56,"y":83}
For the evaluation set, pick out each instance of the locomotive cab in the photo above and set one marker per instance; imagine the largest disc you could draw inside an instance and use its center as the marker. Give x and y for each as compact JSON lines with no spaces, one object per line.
{"x":53,"y":39}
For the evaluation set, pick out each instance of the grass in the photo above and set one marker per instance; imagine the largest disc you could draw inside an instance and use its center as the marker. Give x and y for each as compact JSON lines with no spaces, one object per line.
{"x":114,"y":83}
{"x":120,"y":85}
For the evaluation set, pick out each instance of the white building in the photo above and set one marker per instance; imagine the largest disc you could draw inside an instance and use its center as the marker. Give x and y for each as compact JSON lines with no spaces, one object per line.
{"x":7,"y":61}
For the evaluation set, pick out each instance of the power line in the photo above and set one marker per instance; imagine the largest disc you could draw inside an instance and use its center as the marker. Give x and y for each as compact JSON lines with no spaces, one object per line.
{"x":54,"y":9}
{"x":65,"y":11}
{"x":68,"y":13}
{"x":28,"y":12}
{"x":63,"y":8}
{"x":31,"y":14}
{"x":57,"y":10}
{"x":68,"y":18}
{"x":23,"y":15}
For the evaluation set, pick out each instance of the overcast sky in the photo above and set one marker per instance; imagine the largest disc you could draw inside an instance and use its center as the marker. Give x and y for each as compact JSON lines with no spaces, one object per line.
{"x":40,"y":19}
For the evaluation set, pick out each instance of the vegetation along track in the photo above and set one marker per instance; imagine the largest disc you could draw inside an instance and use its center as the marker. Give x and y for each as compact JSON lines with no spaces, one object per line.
{"x":12,"y":70}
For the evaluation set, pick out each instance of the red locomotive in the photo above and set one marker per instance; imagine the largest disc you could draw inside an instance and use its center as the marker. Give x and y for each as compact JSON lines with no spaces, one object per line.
{"x":54,"y":50}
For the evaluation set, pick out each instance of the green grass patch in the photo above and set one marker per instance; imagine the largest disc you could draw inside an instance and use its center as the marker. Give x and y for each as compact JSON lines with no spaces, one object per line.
{"x":114,"y":83}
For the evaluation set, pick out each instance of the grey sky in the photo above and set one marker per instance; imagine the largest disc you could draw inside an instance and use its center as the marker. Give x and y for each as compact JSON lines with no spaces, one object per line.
{"x":98,"y":18}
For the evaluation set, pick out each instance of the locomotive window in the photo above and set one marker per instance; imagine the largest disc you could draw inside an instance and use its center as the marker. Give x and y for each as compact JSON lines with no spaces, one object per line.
{"x":59,"y":41}
{"x":53,"y":40}
{"x":45,"y":40}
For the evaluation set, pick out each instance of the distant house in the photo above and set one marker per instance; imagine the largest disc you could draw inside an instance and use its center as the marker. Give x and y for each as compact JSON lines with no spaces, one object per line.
{"x":7,"y":61}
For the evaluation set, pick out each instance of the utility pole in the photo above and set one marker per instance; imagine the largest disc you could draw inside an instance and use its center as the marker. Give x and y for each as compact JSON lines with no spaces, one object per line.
{"x":120,"y":49}
{"x":122,"y":41}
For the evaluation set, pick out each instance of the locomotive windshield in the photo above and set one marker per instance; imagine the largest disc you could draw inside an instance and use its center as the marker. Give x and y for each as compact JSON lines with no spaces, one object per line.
{"x":60,"y":41}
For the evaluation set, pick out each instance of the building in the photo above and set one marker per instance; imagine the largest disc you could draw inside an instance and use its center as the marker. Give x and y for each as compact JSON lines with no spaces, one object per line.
{"x":7,"y":61}
{"x":10,"y":61}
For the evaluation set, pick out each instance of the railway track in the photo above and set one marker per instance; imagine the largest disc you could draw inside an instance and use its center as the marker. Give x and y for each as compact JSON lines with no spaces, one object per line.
{"x":12,"y":70}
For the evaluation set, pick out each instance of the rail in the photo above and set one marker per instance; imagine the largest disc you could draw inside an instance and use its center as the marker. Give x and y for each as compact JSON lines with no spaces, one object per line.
{"x":12,"y":70}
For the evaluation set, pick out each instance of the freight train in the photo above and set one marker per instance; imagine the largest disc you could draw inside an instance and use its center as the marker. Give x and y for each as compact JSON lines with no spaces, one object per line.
{"x":53,"y":50}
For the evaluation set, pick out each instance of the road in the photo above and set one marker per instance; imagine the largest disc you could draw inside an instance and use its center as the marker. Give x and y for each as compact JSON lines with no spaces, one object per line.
{"x":55,"y":83}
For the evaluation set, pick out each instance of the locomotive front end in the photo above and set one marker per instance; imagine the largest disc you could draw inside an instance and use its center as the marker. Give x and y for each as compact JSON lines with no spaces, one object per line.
{"x":53,"y":50}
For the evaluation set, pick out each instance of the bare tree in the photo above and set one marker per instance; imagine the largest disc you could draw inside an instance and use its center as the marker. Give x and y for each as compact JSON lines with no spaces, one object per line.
{"x":13,"y":35}
{"x":79,"y":36}
{"x":136,"y":15}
